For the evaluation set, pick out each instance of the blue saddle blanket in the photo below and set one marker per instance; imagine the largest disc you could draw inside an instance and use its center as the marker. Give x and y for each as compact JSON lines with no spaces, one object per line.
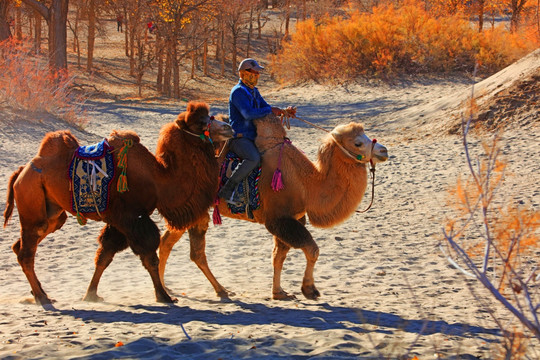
{"x":247,"y":192}
{"x":91,"y":173}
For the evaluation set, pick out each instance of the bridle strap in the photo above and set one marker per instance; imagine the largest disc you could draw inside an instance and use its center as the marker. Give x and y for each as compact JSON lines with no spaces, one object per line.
{"x":372,"y":170}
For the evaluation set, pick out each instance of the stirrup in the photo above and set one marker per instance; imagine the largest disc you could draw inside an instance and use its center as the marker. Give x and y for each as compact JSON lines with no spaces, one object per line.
{"x":233,"y":202}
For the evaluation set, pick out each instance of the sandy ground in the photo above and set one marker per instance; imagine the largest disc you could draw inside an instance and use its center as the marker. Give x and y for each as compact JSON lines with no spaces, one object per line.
{"x":387,"y":291}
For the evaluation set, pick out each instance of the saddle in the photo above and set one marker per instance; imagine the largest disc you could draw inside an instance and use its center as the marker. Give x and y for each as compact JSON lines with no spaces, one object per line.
{"x":247,"y":191}
{"x":91,"y":172}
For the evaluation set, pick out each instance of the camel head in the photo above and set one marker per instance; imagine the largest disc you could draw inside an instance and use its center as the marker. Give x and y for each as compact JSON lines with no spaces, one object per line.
{"x":197,"y":120}
{"x":355,"y":144}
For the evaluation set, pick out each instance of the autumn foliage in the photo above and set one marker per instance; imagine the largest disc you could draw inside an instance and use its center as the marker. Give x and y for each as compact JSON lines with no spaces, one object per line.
{"x":496,"y":242}
{"x":392,"y":41}
{"x":28,"y":84}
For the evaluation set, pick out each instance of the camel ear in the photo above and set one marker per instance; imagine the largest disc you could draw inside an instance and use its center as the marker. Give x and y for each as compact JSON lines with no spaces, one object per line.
{"x":191,"y":106}
{"x":181,"y":119}
{"x":337,"y":135}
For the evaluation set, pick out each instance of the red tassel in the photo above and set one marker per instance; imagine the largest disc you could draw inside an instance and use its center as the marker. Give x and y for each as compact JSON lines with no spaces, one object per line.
{"x":216,"y":216}
{"x":277,"y":182}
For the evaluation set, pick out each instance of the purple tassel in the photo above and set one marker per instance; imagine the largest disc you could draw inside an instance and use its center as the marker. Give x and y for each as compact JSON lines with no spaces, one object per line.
{"x":277,"y":183}
{"x":216,"y":216}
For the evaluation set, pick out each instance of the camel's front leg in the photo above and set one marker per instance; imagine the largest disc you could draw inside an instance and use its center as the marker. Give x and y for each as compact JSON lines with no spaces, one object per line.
{"x":166,"y":243}
{"x":278,"y":258}
{"x":294,"y":234}
{"x":197,"y":241}
{"x":308,"y":283}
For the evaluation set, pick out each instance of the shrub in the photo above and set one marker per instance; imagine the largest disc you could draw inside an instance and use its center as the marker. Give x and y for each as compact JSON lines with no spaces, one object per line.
{"x":393,"y":41}
{"x":28,"y":84}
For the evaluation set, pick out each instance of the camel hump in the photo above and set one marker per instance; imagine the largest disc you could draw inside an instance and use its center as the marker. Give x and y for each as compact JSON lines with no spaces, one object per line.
{"x":117,"y":137}
{"x":56,"y":142}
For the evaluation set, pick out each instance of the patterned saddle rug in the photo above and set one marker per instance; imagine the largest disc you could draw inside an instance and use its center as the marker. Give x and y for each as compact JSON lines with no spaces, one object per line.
{"x":247,"y":192}
{"x":91,"y":172}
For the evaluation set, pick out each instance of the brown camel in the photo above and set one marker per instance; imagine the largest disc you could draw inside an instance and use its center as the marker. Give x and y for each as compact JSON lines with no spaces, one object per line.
{"x":41,"y":190}
{"x":328,"y":191}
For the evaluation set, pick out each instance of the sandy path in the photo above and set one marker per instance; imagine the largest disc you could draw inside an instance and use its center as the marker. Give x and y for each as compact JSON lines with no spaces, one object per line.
{"x":386,"y":288}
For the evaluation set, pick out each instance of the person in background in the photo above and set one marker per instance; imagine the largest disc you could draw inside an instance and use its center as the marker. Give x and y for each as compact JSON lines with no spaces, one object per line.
{"x":119,"y":20}
{"x":245,"y":105}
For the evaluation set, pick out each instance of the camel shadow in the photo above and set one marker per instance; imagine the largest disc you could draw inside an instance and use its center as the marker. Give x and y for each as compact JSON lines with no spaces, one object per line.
{"x":323,"y":317}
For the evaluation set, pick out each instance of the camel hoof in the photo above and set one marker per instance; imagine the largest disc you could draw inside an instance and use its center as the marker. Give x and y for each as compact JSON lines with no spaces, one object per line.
{"x":92,"y":298}
{"x":282,"y":295}
{"x":225,"y":294}
{"x":167,"y":299}
{"x":311,"y":292}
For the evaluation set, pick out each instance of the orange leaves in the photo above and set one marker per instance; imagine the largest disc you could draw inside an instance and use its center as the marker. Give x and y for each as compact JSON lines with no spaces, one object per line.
{"x":410,"y":39}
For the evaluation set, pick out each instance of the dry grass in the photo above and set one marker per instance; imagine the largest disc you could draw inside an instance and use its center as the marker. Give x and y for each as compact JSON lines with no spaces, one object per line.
{"x":28,"y":84}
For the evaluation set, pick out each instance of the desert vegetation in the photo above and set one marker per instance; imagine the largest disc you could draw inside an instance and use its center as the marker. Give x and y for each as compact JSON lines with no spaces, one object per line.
{"x":172,"y":41}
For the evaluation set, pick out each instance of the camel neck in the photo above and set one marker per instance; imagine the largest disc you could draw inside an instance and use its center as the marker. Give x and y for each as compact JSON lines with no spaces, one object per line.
{"x":339,"y":188}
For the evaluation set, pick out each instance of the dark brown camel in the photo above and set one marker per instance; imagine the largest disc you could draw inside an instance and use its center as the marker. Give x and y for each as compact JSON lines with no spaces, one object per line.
{"x":41,"y":192}
{"x":328,"y":191}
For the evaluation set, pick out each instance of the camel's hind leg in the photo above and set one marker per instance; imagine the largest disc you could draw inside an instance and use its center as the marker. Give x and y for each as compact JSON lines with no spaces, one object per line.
{"x":293,"y":233}
{"x":143,"y":238}
{"x":110,"y":241}
{"x":38,"y":219}
{"x":197,"y":241}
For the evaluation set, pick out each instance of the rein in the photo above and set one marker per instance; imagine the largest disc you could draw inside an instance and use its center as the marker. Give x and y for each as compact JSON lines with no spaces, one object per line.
{"x":357,"y":158}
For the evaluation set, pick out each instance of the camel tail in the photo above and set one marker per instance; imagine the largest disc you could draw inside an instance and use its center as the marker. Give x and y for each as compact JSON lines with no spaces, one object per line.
{"x":10,"y":203}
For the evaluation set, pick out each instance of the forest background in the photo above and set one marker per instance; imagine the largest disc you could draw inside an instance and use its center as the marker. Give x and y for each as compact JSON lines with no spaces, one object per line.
{"x":169,"y":42}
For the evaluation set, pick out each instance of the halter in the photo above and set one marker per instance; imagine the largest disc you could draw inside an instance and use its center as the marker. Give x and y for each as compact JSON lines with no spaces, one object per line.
{"x":206,"y":133}
{"x":359,"y":157}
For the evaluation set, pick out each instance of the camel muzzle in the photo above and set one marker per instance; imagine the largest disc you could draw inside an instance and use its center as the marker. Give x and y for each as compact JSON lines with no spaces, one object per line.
{"x":380,"y":153}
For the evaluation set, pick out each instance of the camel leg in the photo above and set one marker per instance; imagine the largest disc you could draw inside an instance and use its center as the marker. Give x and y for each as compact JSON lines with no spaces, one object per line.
{"x":38,"y":219}
{"x":143,"y":238}
{"x":278,"y":258}
{"x":110,"y":241}
{"x":25,"y":248}
{"x":197,"y":241}
{"x":294,"y":234}
{"x":166,"y":243}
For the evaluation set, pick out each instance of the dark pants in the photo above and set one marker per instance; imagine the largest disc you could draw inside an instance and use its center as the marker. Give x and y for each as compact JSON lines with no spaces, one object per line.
{"x":248,"y":152}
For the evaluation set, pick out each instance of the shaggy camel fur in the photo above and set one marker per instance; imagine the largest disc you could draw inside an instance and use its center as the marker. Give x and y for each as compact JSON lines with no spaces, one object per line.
{"x":328,"y":191}
{"x":41,"y":192}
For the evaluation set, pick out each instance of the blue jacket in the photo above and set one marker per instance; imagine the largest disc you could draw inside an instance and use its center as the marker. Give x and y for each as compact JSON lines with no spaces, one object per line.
{"x":245,"y":105}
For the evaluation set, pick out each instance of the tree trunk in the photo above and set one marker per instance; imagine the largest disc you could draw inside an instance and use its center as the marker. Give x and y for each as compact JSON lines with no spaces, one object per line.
{"x":18,"y":23}
{"x":5,"y":32}
{"x":37,"y":35}
{"x":168,"y":65}
{"x":91,"y":34}
{"x":56,"y":18}
{"x":175,"y":70}
{"x":516,"y":8}
{"x":205,"y":56}
{"x":481,"y":6}
{"x":159,"y":56}
{"x":250,"y":31}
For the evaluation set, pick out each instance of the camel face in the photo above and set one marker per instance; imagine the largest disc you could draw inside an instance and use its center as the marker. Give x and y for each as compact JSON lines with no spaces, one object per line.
{"x":219,"y":130}
{"x":197,"y":120}
{"x":352,"y":140}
